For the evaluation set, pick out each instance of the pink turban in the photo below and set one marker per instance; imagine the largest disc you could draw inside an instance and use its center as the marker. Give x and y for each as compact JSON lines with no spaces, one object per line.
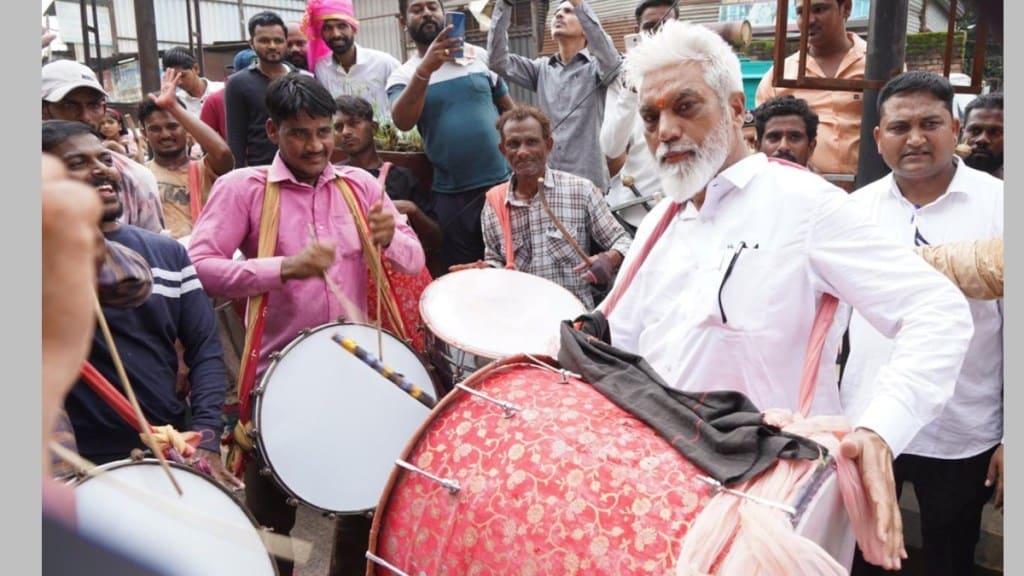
{"x":316,"y":12}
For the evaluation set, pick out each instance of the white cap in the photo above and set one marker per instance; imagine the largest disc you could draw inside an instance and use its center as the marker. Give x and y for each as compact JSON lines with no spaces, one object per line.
{"x":63,"y":76}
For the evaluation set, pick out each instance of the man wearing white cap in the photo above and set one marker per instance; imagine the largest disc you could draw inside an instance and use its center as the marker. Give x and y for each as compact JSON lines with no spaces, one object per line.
{"x":70,"y":91}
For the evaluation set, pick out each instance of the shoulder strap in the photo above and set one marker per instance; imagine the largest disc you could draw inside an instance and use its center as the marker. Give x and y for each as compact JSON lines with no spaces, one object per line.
{"x":496,"y":198}
{"x":622,"y":284}
{"x":373,"y":258}
{"x":256,"y":310}
{"x":195,"y":189}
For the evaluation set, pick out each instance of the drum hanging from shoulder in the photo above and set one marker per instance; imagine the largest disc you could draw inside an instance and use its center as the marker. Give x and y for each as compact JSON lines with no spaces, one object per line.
{"x":476,"y":316}
{"x":133,"y":507}
{"x":525,"y":470}
{"x":327,"y":426}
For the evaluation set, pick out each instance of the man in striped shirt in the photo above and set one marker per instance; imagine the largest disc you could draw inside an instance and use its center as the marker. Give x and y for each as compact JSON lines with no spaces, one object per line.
{"x":177,"y":309}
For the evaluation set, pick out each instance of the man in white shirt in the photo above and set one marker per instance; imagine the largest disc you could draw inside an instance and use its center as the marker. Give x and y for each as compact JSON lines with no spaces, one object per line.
{"x":192,"y":88}
{"x":340,"y":64}
{"x":727,"y":295}
{"x":932,"y":197}
{"x":631,"y":166}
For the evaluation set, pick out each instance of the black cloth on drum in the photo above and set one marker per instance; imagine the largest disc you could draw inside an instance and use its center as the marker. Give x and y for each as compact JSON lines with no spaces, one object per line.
{"x":729,"y":442}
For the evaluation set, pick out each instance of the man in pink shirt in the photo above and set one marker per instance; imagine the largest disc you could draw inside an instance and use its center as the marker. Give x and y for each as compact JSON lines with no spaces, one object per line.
{"x":292,"y":281}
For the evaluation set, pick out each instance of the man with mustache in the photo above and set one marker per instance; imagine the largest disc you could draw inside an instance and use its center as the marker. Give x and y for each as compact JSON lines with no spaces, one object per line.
{"x":983,"y":132}
{"x":832,"y":52}
{"x":245,"y":90}
{"x":786,"y":128}
{"x":571,"y":84}
{"x":732,"y":270}
{"x":342,"y":65}
{"x":297,"y":46}
{"x":931,"y":197}
{"x":534,"y":197}
{"x":317,"y":245}
{"x":176,"y":310}
{"x":454,"y":106}
{"x":72,"y":92}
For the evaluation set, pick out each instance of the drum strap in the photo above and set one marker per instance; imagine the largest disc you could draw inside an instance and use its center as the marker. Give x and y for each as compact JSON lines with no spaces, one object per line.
{"x":195,"y":189}
{"x":496,"y":198}
{"x":378,"y":272}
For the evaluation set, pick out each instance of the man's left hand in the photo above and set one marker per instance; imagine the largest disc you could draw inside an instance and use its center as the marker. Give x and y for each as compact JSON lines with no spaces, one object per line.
{"x":382,"y":225}
{"x":873,"y":459}
{"x":995,"y":476}
{"x":220,"y":473}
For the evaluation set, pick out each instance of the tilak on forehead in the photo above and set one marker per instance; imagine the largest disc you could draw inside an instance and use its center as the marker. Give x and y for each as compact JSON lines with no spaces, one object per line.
{"x":317,"y":11}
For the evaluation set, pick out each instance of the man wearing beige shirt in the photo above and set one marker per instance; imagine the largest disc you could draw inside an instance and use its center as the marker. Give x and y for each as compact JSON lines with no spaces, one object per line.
{"x":832,"y":52}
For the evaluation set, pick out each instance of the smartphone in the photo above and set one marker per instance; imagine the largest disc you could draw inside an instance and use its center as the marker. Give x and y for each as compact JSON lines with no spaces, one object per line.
{"x":631,"y":40}
{"x":457,"y":20}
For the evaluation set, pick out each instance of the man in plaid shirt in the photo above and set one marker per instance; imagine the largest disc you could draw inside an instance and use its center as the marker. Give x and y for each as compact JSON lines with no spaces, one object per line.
{"x":540,"y":203}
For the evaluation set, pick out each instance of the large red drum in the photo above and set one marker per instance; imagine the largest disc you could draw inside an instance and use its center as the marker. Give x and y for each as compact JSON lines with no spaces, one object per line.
{"x":561,"y":482}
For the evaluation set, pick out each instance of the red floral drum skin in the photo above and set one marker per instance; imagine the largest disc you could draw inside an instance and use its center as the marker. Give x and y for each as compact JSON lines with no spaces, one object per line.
{"x":569,"y":484}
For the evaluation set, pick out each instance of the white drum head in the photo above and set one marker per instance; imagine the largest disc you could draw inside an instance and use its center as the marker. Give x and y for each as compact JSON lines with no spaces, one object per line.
{"x":495,"y":312}
{"x":329,"y":426}
{"x":203,"y":531}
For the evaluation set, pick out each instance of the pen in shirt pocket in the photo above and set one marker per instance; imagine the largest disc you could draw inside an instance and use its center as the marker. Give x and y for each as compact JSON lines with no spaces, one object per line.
{"x":737,"y":250}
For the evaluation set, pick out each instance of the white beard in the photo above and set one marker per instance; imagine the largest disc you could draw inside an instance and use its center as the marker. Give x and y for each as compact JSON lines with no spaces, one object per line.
{"x":684,"y":180}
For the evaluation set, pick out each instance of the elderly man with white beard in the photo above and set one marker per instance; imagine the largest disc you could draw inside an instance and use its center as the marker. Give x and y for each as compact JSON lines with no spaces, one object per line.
{"x":724,"y":278}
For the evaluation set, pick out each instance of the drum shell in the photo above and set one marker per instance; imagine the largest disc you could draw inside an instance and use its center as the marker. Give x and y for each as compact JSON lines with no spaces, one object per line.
{"x":570,"y":484}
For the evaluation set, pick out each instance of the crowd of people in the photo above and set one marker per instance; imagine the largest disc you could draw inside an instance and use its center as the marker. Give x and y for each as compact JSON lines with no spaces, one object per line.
{"x":250,"y":210}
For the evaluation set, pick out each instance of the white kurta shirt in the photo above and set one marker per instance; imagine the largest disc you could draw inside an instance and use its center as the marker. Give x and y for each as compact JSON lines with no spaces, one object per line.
{"x":970,"y":209}
{"x":367,"y":78}
{"x":804,"y":238}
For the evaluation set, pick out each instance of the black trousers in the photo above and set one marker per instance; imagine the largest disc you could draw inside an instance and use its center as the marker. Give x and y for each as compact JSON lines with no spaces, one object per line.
{"x":269,"y":505}
{"x":351,"y":541}
{"x":462,"y":238}
{"x":951,"y":495}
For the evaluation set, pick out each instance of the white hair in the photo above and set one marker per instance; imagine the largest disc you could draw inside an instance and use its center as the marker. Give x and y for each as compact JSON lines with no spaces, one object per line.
{"x":679,"y":41}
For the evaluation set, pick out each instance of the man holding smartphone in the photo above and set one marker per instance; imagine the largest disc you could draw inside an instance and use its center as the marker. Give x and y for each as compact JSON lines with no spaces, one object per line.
{"x":455,"y":105}
{"x":570,"y":84}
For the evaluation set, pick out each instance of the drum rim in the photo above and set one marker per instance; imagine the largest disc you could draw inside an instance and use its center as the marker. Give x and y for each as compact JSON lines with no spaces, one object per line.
{"x":452,"y":341}
{"x":77,"y":481}
{"x":257,"y":404}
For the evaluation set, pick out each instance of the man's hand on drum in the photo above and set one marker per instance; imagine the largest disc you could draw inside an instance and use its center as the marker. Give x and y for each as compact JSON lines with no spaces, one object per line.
{"x":382,"y":225}
{"x":873,"y":458}
{"x":599,"y":268}
{"x":219,"y":471}
{"x":314,"y":260}
{"x":471,"y":265}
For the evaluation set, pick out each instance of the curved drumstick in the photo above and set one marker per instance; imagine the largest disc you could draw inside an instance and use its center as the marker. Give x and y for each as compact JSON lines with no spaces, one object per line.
{"x":396,"y":378}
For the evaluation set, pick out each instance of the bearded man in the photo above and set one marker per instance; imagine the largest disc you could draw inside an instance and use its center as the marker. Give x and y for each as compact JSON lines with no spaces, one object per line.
{"x":733,"y":264}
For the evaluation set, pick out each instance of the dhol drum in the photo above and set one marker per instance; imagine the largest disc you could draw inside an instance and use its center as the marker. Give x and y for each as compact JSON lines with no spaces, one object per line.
{"x":476,"y":316}
{"x":132,"y":507}
{"x":627,"y":206}
{"x":557,"y":480}
{"x":328,"y":427}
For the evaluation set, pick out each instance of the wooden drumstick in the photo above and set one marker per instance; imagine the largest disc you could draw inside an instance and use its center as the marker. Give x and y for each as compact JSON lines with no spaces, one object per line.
{"x":350,"y":309}
{"x":380,"y":298}
{"x":565,"y":233}
{"x":147,"y":436}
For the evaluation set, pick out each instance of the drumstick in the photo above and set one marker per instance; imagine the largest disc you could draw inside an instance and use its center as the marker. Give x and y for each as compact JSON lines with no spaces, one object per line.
{"x":350,"y":309}
{"x":380,"y":298}
{"x":565,"y":233}
{"x":396,"y":378}
{"x":147,"y":436}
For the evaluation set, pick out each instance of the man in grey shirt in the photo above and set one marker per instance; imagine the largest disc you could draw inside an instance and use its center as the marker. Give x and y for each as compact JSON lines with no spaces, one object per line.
{"x":570,"y":84}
